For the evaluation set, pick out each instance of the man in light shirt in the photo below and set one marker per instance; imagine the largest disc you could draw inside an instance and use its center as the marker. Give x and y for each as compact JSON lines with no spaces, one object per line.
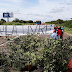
{"x":54,"y":35}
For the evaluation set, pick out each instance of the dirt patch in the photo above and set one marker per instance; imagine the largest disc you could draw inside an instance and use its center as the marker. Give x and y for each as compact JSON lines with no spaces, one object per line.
{"x":3,"y":41}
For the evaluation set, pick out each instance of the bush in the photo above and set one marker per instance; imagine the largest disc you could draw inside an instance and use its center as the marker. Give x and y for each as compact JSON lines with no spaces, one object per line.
{"x":16,"y":20}
{"x":13,"y":23}
{"x":2,"y":21}
{"x":51,"y":55}
{"x":70,"y":26}
{"x":3,"y":59}
{"x":21,"y":21}
{"x":59,"y":21}
{"x":55,"y":56}
{"x":5,"y":69}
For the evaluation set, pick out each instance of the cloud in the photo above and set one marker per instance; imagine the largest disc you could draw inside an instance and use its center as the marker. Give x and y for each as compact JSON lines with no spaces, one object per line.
{"x":44,"y":10}
{"x":12,"y":0}
{"x":33,"y":17}
{"x":10,"y":4}
{"x":57,"y":10}
{"x":67,"y":2}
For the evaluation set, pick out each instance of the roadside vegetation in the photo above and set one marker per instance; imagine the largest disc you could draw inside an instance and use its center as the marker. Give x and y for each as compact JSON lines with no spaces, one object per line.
{"x":17,"y":22}
{"x":67,"y":24}
{"x":68,"y":30}
{"x":31,"y":50}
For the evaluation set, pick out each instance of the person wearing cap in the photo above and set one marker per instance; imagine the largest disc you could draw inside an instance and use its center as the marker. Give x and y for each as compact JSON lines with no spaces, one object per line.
{"x":54,"y":35}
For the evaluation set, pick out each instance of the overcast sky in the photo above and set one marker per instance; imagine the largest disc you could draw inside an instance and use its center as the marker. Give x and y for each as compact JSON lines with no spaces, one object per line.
{"x":44,"y":10}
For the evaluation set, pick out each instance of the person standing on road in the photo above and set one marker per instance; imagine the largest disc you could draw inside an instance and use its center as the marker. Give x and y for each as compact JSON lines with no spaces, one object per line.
{"x":60,"y":33}
{"x":54,"y":35}
{"x":63,"y":28}
{"x":55,"y":28}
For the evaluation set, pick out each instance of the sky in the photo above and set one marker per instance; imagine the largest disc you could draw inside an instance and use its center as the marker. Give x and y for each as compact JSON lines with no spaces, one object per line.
{"x":44,"y":10}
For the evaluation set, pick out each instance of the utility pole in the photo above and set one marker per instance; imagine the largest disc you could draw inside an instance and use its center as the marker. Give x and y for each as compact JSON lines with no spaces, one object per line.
{"x":8,"y":19}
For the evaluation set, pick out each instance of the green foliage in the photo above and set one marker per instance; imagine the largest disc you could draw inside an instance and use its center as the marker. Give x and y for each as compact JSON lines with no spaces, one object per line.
{"x":52,"y":22}
{"x":68,"y":31}
{"x":23,"y":51}
{"x":2,"y":21}
{"x":68,"y":23}
{"x":4,"y":64}
{"x":51,"y":55}
{"x":17,"y":23}
{"x":13,"y":23}
{"x":55,"y":56}
{"x":30,"y":21}
{"x":16,"y":20}
{"x":59,"y":21}
{"x":3,"y":58}
{"x":22,"y":21}
{"x":5,"y":69}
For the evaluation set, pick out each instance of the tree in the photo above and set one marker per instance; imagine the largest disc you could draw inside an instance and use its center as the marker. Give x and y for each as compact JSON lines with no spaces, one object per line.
{"x":30,"y":21}
{"x":53,"y":22}
{"x":2,"y":21}
{"x":16,"y":20}
{"x":59,"y":21}
{"x":22,"y":21}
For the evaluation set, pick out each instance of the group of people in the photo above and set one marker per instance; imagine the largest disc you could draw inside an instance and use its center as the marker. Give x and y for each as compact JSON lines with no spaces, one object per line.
{"x":58,"y":32}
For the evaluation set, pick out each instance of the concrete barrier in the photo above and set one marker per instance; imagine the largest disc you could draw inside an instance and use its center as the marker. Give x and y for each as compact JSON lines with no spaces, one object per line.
{"x":25,"y":29}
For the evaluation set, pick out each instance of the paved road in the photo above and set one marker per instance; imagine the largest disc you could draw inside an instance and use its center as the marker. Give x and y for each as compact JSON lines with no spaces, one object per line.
{"x":65,"y":36}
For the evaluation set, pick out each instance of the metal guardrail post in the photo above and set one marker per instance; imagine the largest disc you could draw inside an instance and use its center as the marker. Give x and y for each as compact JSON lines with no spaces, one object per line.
{"x":14,"y":27}
{"x":31,"y":28}
{"x":28,"y":29}
{"x":36,"y":28}
{"x":5,"y":29}
{"x":46,"y":27}
{"x":13,"y":30}
{"x":23,"y":29}
{"x":42,"y":31}
{"x":39,"y":28}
